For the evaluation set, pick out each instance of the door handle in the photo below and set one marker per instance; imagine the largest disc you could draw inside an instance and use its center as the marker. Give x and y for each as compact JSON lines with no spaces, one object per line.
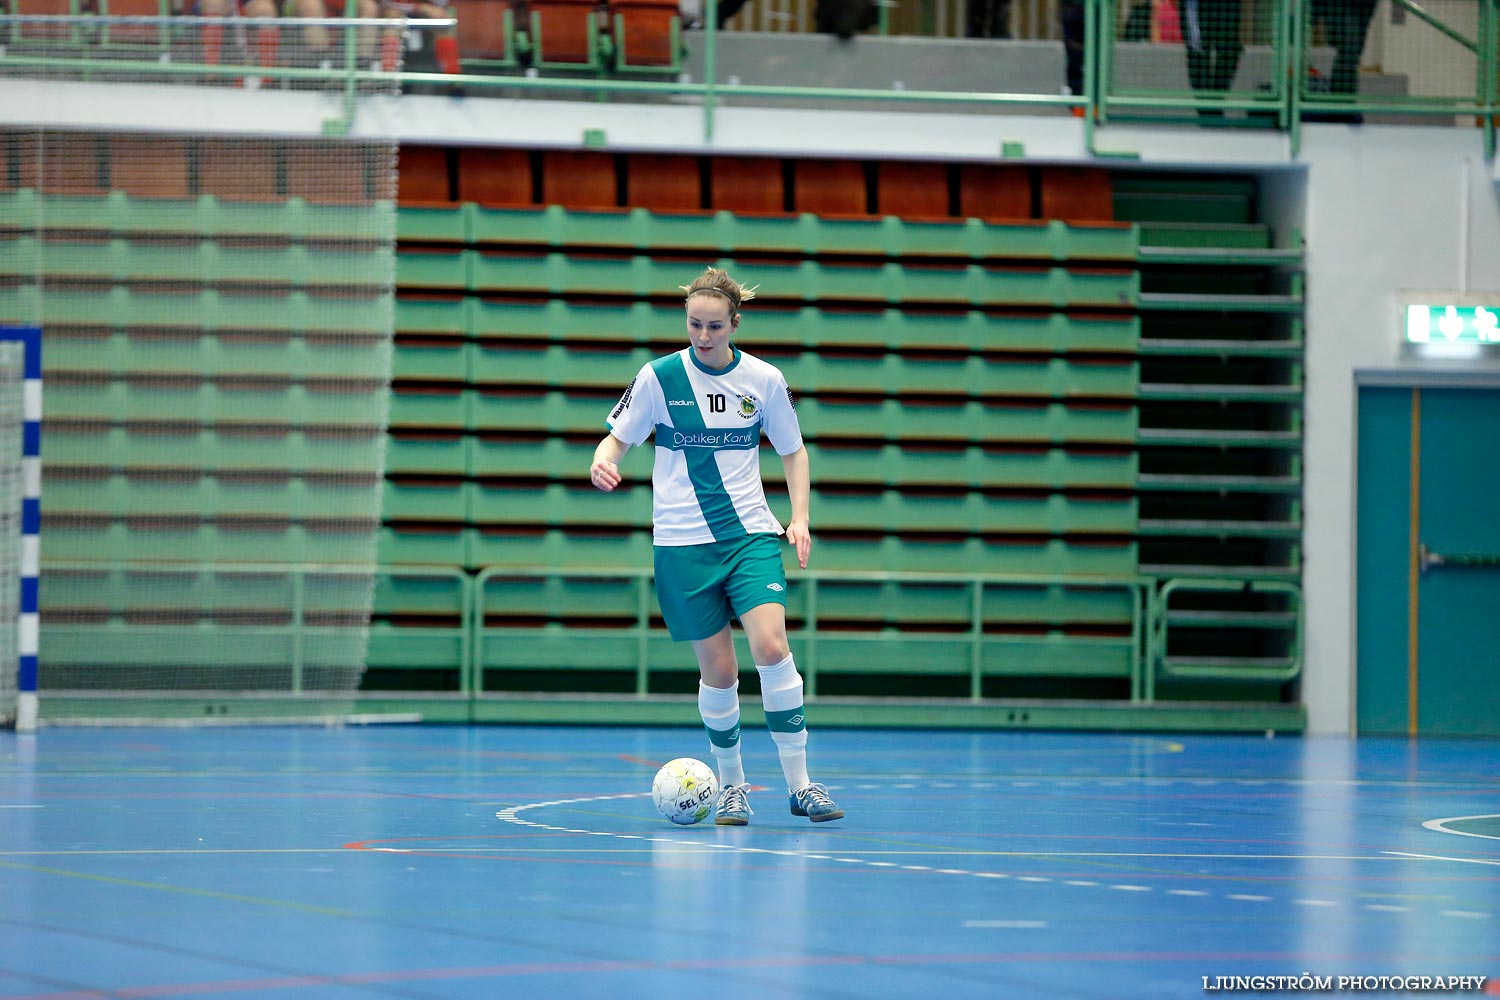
{"x":1428,"y":559}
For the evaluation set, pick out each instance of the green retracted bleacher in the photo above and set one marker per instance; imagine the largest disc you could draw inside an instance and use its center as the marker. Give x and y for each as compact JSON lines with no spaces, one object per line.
{"x":1053,"y":416}
{"x":968,"y":389}
{"x":1220,"y":441}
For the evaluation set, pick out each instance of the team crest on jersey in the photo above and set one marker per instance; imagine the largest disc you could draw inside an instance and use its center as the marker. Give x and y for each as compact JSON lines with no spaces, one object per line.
{"x":749,"y":407}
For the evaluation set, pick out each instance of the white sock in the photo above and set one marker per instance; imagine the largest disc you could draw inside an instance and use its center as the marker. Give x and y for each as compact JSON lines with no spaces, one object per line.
{"x":720,"y":708}
{"x":781,"y":697}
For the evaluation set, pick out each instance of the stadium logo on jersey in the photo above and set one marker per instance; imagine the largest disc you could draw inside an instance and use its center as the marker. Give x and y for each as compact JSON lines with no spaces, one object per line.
{"x":680,"y":402}
{"x":749,"y":407}
{"x":624,"y":400}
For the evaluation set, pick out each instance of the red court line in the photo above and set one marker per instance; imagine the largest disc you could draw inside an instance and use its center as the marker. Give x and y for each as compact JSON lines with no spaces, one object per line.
{"x":223,"y":986}
{"x":632,"y":759}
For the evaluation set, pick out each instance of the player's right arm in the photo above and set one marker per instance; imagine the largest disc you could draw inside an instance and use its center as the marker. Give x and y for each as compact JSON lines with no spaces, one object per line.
{"x":630,"y":423}
{"x":605,"y":472}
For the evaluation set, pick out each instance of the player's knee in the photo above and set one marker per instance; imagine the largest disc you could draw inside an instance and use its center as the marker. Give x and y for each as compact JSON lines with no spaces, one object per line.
{"x":718,"y":671}
{"x":769,"y":649}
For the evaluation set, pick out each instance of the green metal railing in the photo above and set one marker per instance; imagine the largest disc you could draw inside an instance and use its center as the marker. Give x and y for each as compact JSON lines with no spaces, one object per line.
{"x":1132,"y":643}
{"x":219,"y":599}
{"x":1287,"y":97}
{"x":1284,"y":617}
{"x":972,"y":639}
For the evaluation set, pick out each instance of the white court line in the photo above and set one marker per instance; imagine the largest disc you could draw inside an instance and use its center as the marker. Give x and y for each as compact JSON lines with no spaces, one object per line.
{"x":511,"y":815}
{"x":1436,"y":857}
{"x":697,"y":845}
{"x":1440,"y":826}
{"x":1389,"y":856}
{"x":21,"y":807}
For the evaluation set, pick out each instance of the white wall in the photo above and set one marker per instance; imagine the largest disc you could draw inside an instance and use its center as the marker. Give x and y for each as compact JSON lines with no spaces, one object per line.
{"x":1387,"y":209}
{"x":1402,"y":43}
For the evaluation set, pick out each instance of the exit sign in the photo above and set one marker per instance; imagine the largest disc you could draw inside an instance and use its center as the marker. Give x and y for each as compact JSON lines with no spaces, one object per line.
{"x":1427,"y":324}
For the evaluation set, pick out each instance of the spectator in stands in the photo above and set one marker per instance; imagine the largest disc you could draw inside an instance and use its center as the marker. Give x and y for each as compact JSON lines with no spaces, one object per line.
{"x":717,"y":553}
{"x":691,"y":12}
{"x":1149,"y":20}
{"x":1345,"y":24}
{"x":1153,"y":21}
{"x":323,"y":44}
{"x":989,"y":19}
{"x":1070,"y":17}
{"x":1211,"y":29}
{"x":444,"y":43}
{"x":329,"y":49}
{"x":845,"y":18}
{"x":267,"y":38}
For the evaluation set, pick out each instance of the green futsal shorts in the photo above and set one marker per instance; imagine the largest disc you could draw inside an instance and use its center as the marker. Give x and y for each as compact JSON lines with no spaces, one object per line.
{"x":700,"y":587}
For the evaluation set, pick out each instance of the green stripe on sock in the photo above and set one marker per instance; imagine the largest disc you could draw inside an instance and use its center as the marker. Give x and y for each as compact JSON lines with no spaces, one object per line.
{"x":724,"y":737}
{"x":790,"y":721}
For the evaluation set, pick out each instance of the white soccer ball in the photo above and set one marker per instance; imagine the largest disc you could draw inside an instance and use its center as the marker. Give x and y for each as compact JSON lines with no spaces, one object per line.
{"x":684,"y":790}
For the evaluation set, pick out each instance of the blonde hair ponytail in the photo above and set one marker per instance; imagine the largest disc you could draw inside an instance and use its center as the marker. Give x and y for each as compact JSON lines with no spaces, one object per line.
{"x":714,"y":281}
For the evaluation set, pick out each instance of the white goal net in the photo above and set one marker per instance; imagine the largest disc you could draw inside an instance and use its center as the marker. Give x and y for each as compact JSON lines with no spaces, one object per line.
{"x":217,"y":306}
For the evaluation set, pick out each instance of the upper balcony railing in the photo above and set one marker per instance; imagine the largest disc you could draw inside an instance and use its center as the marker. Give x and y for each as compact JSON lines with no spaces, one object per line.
{"x":1222,"y":64}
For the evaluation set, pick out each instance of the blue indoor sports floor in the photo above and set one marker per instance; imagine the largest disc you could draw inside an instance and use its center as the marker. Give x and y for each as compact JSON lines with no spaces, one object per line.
{"x":519,"y":862}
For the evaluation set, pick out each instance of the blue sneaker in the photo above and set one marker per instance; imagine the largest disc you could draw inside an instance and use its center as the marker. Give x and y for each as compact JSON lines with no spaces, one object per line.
{"x":733,"y":807}
{"x":813,"y":802}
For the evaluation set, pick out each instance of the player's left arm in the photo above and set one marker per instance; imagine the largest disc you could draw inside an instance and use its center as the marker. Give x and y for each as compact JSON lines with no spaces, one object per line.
{"x":798,"y":487}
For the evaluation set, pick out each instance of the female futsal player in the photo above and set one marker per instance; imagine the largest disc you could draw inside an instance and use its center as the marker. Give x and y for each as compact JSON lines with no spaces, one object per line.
{"x":716,"y":548}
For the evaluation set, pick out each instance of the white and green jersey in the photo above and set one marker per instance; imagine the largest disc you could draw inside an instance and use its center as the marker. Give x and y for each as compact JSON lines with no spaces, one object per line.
{"x":706,"y":481}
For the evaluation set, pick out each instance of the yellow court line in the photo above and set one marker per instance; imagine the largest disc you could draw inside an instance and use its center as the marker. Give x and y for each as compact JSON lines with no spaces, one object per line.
{"x":231,"y":897}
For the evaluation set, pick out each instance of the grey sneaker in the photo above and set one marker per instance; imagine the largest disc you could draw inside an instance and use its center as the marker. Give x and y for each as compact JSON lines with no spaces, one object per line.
{"x":733,"y":808}
{"x":813,"y":802}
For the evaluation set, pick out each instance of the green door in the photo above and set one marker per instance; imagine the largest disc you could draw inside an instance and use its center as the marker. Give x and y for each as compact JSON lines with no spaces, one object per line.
{"x":1428,"y":630}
